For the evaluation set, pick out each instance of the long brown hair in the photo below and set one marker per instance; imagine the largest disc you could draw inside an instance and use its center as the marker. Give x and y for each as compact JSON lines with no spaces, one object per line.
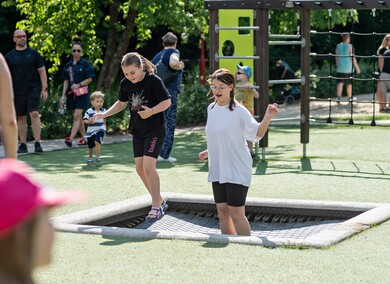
{"x":225,"y":76}
{"x":16,"y":257}
{"x":136,"y":59}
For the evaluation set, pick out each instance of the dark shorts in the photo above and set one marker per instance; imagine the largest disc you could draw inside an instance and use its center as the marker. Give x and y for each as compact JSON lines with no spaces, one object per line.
{"x":344,"y":78}
{"x":77,"y":102}
{"x":149,"y":146}
{"x":97,"y":137}
{"x":26,"y":104}
{"x":230,"y":193}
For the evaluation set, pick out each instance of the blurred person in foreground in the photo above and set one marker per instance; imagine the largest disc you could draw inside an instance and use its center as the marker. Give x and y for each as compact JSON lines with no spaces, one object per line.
{"x":26,"y":234}
{"x":8,"y":124}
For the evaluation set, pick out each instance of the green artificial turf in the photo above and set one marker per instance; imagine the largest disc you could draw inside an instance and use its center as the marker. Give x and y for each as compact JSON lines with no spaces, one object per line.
{"x":343,"y":163}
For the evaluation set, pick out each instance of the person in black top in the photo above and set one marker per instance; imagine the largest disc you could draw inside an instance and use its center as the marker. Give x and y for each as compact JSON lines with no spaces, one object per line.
{"x":170,"y":57}
{"x":30,"y":87}
{"x":384,"y":69}
{"x":77,"y":73}
{"x":147,"y":98}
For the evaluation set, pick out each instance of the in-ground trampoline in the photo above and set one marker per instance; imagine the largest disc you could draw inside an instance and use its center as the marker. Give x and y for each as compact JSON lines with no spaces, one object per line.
{"x":274,"y":222}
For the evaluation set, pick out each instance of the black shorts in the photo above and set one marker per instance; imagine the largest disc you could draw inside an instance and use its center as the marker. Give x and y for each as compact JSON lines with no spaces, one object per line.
{"x":230,"y":193}
{"x":147,"y":146}
{"x":26,"y":104}
{"x":97,"y":137}
{"x":344,"y":78}
{"x":77,"y":102}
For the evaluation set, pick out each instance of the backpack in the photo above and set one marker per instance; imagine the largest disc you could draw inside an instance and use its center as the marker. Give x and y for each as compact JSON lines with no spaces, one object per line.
{"x":166,"y":73}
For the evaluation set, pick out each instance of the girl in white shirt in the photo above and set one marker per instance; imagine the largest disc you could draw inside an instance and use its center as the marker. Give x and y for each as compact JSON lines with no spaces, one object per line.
{"x":229,"y":126}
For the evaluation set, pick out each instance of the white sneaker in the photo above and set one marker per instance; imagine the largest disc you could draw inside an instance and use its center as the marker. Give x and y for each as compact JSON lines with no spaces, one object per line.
{"x":169,"y":159}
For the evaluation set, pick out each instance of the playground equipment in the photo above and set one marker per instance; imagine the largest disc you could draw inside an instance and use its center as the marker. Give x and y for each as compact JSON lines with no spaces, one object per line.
{"x":261,"y":43}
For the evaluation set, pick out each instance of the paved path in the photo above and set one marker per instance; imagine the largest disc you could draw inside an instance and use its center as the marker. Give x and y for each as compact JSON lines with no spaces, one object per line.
{"x":58,"y":144}
{"x":318,"y":110}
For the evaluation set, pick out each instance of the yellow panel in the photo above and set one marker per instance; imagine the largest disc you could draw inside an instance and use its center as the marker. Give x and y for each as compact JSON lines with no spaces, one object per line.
{"x":243,"y":43}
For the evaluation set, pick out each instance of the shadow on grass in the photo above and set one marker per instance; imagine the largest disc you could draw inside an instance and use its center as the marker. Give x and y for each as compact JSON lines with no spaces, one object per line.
{"x":116,"y":241}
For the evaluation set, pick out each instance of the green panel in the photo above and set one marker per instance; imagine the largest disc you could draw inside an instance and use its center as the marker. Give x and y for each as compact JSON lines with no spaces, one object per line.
{"x":241,"y":40}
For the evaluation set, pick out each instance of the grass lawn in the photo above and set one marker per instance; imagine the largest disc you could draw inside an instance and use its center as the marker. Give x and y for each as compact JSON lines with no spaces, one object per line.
{"x":344,"y":163}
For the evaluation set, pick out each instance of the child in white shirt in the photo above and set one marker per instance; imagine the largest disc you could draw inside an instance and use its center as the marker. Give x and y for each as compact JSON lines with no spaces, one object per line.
{"x":96,"y":128}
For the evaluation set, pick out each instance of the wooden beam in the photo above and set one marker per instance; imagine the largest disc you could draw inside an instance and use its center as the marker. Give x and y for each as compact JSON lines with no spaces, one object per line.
{"x":297,"y":5}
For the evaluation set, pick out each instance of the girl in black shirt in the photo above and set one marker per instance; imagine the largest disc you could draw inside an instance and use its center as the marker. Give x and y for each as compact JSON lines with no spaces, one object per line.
{"x":148,"y":99}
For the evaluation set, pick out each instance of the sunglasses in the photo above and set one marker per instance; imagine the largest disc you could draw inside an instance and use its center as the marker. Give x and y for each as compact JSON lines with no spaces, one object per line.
{"x":20,"y":36}
{"x":76,"y":50}
{"x":220,"y":88}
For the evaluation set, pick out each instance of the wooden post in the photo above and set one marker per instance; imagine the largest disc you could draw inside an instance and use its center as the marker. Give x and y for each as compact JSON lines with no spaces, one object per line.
{"x":214,"y":41}
{"x":262,"y":20}
{"x":305,"y":65}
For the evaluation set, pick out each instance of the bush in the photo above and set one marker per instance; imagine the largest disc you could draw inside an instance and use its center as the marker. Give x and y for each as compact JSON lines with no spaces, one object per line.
{"x":325,"y":88}
{"x":193,"y":101}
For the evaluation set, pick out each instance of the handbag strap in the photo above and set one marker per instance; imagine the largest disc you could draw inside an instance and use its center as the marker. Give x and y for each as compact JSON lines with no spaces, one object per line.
{"x":71,"y":76}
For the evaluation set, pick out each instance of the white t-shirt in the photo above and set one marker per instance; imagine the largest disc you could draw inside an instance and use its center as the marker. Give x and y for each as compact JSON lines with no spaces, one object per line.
{"x":227,"y":131}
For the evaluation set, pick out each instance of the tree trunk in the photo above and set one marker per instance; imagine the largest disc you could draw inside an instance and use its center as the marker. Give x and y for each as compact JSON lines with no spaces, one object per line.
{"x":127,"y":33}
{"x":111,"y":43}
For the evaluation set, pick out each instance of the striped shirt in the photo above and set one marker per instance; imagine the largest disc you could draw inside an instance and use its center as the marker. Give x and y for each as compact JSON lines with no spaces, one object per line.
{"x":98,"y":125}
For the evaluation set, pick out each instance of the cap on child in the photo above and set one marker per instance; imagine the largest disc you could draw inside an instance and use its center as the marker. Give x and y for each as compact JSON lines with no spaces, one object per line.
{"x":246,"y":69}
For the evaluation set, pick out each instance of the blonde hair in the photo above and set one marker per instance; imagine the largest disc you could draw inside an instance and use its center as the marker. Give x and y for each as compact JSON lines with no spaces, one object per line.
{"x":97,"y":95}
{"x":383,"y":44}
{"x":136,"y":59}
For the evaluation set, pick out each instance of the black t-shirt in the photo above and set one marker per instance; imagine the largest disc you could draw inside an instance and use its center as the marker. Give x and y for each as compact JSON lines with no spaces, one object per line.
{"x":386,"y":59}
{"x":150,"y":92}
{"x":23,"y":66}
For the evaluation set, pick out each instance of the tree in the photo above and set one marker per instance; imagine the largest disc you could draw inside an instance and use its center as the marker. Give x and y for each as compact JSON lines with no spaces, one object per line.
{"x":53,"y":24}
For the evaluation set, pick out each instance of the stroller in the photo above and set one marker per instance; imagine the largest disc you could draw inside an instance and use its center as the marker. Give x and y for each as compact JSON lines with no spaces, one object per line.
{"x":286,"y":93}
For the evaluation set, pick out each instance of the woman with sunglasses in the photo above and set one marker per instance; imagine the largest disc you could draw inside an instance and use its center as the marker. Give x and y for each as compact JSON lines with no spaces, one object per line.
{"x":229,"y":125}
{"x":77,"y":73}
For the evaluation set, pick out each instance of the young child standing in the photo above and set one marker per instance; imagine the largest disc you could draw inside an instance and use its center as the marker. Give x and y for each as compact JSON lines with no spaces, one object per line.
{"x":148,"y":99}
{"x":96,"y":128}
{"x":245,"y":94}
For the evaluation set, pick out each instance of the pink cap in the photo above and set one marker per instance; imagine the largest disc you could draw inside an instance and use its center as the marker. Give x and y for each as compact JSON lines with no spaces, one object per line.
{"x":21,"y":196}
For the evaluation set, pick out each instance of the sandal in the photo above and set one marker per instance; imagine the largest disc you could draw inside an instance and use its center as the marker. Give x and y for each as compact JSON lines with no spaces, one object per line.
{"x":156,"y":213}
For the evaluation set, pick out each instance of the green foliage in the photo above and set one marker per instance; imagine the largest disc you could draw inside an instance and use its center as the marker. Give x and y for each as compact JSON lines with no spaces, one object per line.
{"x":193,"y":101}
{"x":54,"y":24}
{"x":324,"y":88}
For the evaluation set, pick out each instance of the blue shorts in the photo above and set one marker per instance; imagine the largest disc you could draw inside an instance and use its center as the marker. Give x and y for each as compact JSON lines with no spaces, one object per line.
{"x":95,"y":138}
{"x":77,"y":102}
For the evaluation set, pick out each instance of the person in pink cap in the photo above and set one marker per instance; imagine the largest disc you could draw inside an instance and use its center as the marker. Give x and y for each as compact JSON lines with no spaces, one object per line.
{"x":26,"y":235}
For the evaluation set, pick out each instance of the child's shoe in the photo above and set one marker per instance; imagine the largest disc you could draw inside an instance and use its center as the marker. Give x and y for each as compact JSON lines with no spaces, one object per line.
{"x":89,"y":161}
{"x":98,"y":159}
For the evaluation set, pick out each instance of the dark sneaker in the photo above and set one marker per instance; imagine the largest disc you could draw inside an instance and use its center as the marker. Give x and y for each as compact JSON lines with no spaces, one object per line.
{"x":98,"y":159}
{"x":89,"y":161}
{"x":22,"y":148}
{"x":164,"y":206}
{"x":38,"y":148}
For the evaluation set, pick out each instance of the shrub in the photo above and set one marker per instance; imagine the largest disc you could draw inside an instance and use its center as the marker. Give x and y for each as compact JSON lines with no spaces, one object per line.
{"x":193,"y":101}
